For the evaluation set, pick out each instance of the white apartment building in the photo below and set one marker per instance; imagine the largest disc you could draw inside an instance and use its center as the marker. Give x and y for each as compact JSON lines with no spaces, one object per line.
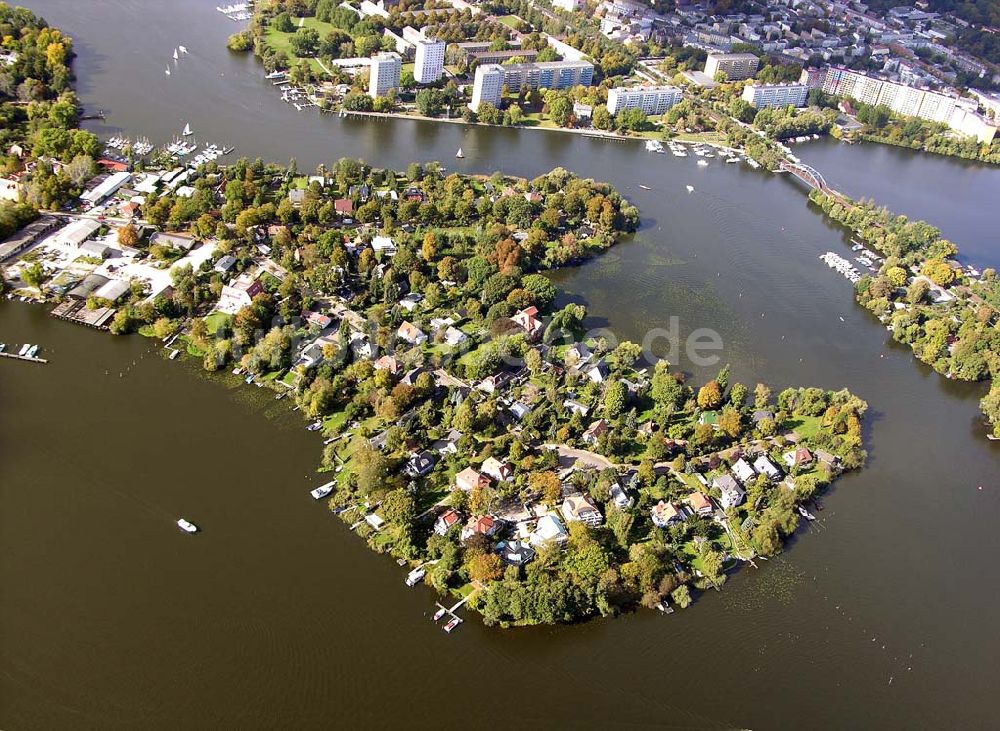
{"x":385,"y":71}
{"x":736,"y":66}
{"x":429,"y":62}
{"x":776,"y":95}
{"x":568,"y":5}
{"x":488,"y":85}
{"x":650,"y":99}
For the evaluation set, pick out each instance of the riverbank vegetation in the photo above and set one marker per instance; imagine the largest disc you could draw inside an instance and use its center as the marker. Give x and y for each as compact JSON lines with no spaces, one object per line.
{"x":948,"y":314}
{"x":42,"y":153}
{"x":881,"y":125}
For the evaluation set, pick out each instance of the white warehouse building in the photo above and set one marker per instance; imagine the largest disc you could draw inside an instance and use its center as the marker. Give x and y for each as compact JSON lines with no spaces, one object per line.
{"x":650,"y":99}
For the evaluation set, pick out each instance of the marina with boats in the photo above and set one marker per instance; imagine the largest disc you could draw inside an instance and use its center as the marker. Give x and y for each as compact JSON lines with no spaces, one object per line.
{"x":26,"y":352}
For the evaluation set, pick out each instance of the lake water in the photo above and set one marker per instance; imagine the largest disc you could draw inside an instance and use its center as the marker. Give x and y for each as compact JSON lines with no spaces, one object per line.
{"x":880,"y":615}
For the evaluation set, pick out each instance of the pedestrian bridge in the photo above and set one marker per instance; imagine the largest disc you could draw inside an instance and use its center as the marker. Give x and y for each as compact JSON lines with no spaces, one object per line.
{"x":808,"y":175}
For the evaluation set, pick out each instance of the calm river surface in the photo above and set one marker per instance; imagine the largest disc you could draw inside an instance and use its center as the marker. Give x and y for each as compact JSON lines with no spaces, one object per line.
{"x":879,"y":616}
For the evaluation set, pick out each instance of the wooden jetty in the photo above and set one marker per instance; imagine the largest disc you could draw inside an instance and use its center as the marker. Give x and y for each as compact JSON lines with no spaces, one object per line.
{"x":15,"y":356}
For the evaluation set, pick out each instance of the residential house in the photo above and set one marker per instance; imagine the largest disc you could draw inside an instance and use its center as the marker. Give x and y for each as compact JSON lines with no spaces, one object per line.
{"x":520,"y":410}
{"x":498,"y":470}
{"x":410,"y":301}
{"x":595,"y":431}
{"x":576,"y":407}
{"x":297,"y":197}
{"x":388,"y":363}
{"x":411,"y":376}
{"x":483,"y":525}
{"x":239,"y":294}
{"x":581,"y":508}
{"x":527,"y":320}
{"x":420,"y":464}
{"x":173,"y":241}
{"x":515,"y":553}
{"x":448,"y":444}
{"x":469,"y":479}
{"x":411,"y":333}
{"x":766,"y":467}
{"x":453,"y":336}
{"x":798,"y":457}
{"x":225,"y":263}
{"x":343,"y":206}
{"x":700,"y":504}
{"x":598,"y":373}
{"x":446,"y":520}
{"x":663,"y":514}
{"x":732,"y":493}
{"x":743,"y":471}
{"x":620,"y":497}
{"x":761,"y":414}
{"x":384,"y":245}
{"x":361,"y":346}
{"x":549,"y":528}
{"x":828,"y":459}
{"x":577,"y":353}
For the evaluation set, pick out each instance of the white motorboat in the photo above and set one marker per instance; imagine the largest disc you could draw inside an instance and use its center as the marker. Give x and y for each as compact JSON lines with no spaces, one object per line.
{"x":690,"y":188}
{"x":439,"y":613}
{"x":182,"y":49}
{"x":187,"y":526}
{"x":703,"y":163}
{"x":322,"y":491}
{"x":168,"y":71}
{"x":452,"y":624}
{"x":416,"y":576}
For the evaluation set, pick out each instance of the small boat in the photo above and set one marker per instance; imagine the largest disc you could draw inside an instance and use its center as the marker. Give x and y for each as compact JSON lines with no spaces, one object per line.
{"x":452,"y":624}
{"x":3,"y":347}
{"x":439,"y":613}
{"x":227,"y":150}
{"x":32,"y":351}
{"x":806,"y":514}
{"x":182,"y":49}
{"x":644,"y":187}
{"x":315,"y":426}
{"x":174,"y":353}
{"x":690,"y":188}
{"x":322,"y":491}
{"x":703,"y":163}
{"x":176,"y":55}
{"x":459,"y":154}
{"x":187,"y":130}
{"x":187,"y":526}
{"x":168,"y":71}
{"x":249,"y":379}
{"x":24,"y":349}
{"x":416,"y":576}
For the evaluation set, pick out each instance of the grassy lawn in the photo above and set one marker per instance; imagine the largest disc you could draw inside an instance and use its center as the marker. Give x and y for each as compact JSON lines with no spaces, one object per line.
{"x":282,"y":41}
{"x":511,"y":21}
{"x":216,"y":320}
{"x":805,"y":426}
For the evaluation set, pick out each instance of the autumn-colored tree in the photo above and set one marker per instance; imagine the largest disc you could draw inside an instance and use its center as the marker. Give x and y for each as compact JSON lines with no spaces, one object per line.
{"x":128,"y":235}
{"x":485,"y":567}
{"x":547,"y":483}
{"x":710,"y":395}
{"x":430,"y":246}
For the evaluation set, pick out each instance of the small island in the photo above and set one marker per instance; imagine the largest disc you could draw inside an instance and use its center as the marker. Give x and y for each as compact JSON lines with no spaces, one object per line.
{"x":472,"y":428}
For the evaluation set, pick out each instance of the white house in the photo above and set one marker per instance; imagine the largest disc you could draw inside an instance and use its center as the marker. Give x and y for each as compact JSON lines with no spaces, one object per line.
{"x":743,"y":471}
{"x":732,"y":493}
{"x":766,"y":467}
{"x":411,"y":333}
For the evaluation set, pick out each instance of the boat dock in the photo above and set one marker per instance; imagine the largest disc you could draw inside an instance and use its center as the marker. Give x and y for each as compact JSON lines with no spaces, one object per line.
{"x":28,"y":358}
{"x":453,"y":619}
{"x":76,"y":311}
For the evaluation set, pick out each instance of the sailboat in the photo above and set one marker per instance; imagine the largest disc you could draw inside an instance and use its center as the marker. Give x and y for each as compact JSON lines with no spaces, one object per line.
{"x":187,"y":130}
{"x":182,"y":49}
{"x":460,"y":154}
{"x":176,"y":55}
{"x":168,"y":71}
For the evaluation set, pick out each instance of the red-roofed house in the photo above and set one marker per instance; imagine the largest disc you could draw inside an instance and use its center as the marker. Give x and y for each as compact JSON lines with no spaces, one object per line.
{"x":469,"y":479}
